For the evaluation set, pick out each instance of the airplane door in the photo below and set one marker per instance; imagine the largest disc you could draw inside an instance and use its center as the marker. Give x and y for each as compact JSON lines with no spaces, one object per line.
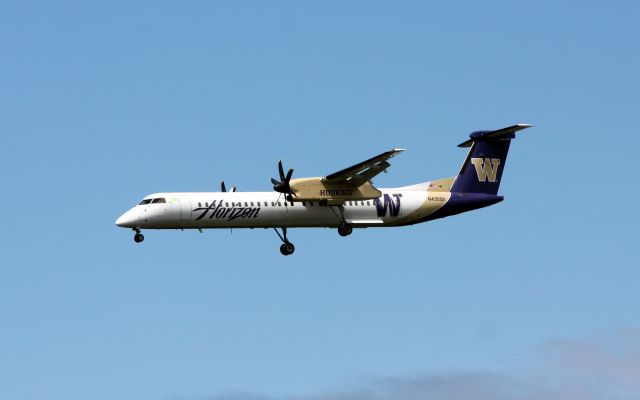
{"x":185,"y":208}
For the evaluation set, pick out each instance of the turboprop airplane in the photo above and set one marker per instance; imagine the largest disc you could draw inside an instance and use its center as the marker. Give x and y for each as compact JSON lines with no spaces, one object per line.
{"x":345,"y":199}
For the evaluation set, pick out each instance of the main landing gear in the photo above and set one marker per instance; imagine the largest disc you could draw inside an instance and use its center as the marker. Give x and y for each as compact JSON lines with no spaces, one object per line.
{"x":287,"y":247}
{"x":345,"y":229}
{"x":138,"y":237}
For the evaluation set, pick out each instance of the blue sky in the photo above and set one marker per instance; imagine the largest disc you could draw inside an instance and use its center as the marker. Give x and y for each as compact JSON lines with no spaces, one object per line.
{"x":101,"y":104}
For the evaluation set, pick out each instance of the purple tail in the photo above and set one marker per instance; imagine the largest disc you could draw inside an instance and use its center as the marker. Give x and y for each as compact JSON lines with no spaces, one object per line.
{"x":482,"y":169}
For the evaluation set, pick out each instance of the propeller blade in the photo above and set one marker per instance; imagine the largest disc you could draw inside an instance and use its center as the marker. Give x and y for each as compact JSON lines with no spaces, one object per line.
{"x":288,"y":177}
{"x":223,"y":187}
{"x":282,"y":185}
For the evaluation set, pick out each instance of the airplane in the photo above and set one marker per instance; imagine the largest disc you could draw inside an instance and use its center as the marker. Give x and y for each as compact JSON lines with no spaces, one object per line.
{"x":345,"y":199}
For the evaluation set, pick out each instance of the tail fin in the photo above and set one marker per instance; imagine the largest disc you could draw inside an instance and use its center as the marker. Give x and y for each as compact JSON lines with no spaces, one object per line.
{"x":482,"y":169}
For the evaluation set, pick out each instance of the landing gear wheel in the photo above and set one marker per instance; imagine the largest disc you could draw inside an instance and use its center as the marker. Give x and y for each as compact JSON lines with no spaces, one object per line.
{"x":287,"y":248}
{"x":139,"y":237}
{"x":345,"y":229}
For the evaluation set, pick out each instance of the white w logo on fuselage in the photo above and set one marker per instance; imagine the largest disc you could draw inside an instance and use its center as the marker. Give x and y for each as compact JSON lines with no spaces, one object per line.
{"x":486,"y":168}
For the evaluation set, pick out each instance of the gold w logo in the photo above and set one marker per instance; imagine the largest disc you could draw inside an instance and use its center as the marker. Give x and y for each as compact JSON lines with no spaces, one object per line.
{"x":486,"y":168}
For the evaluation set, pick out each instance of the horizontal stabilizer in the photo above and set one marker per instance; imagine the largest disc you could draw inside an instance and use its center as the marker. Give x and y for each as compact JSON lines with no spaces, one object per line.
{"x":504,"y":133}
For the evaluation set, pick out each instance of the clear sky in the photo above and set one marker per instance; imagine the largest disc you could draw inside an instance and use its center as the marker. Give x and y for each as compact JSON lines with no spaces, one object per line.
{"x":102,"y":104}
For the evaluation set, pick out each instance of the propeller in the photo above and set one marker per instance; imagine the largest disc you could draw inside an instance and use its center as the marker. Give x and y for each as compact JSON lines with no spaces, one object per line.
{"x":224,"y":187}
{"x":282,"y":186}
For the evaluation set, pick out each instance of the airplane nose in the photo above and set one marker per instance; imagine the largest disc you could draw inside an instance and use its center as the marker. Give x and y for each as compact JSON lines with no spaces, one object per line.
{"x":126,"y":220}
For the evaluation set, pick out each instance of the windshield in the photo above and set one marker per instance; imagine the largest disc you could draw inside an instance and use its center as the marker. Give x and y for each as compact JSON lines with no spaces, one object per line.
{"x":145,"y":201}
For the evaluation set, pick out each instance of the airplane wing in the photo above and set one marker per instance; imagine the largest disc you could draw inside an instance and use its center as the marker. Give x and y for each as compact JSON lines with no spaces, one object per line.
{"x":365,"y":170}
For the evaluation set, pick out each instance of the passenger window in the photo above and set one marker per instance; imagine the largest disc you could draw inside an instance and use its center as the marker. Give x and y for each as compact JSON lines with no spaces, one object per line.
{"x":367,"y":202}
{"x":199,"y":204}
{"x":279,"y":205}
{"x":273,"y":204}
{"x":252,"y":204}
{"x":145,"y":201}
{"x":213,"y":203}
{"x":265,"y":203}
{"x":226,"y":204}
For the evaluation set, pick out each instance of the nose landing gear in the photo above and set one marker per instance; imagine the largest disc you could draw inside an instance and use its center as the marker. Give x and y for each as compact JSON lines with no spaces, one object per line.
{"x":138,"y":237}
{"x":287,"y":247}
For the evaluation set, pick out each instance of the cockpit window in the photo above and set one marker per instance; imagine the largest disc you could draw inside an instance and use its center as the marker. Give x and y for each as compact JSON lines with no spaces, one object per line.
{"x":145,"y":201}
{"x":158,"y":200}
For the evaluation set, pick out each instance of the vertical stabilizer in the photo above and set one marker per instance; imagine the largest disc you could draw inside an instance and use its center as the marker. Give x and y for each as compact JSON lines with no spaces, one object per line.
{"x":482,"y":170}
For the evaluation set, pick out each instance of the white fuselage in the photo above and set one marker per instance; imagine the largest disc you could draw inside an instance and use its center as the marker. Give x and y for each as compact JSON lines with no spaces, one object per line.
{"x":206,"y":210}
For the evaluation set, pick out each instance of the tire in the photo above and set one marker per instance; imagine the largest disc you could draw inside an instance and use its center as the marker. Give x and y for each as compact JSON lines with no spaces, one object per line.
{"x":345,"y":229}
{"x":287,"y":248}
{"x":139,"y":237}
